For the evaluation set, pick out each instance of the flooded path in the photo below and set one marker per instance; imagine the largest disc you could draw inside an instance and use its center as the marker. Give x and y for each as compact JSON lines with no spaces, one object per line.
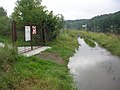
{"x":94,"y":68}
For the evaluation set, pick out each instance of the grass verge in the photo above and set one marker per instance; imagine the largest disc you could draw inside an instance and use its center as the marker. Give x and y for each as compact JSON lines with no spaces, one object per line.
{"x":4,"y":39}
{"x":32,"y":73}
{"x":89,"y":42}
{"x":65,"y":44}
{"x":109,"y":41}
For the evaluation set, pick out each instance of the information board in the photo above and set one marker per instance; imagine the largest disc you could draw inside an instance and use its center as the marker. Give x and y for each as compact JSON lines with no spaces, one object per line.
{"x":27,"y":33}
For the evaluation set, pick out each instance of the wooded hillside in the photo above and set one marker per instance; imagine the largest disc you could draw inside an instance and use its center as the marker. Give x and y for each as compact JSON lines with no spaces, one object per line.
{"x":101,"y":23}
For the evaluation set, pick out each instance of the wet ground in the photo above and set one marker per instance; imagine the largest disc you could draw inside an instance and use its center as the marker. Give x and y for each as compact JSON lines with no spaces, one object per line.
{"x":94,"y":68}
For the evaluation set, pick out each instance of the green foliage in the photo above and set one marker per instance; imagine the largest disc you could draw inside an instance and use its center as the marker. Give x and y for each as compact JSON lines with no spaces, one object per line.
{"x":105,"y":23}
{"x":8,"y":57}
{"x":109,"y":41}
{"x":32,"y":73}
{"x":89,"y":42}
{"x":38,"y":74}
{"x":4,"y":39}
{"x":5,"y":23}
{"x":5,"y":26}
{"x":65,"y":44}
{"x":26,"y":10}
{"x":32,"y":12}
{"x":75,"y":24}
{"x":2,"y":12}
{"x":102,"y":23}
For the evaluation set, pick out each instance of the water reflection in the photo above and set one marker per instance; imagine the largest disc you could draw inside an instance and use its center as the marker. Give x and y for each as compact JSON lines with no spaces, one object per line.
{"x":95,"y":68}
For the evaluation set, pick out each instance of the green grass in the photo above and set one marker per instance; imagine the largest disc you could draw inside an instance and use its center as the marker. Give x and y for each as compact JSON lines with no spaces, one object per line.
{"x":89,"y":42}
{"x":109,"y":41}
{"x":38,"y":74}
{"x":32,"y":73}
{"x":7,"y":59}
{"x":65,"y":44}
{"x":4,"y":39}
{"x":20,"y":41}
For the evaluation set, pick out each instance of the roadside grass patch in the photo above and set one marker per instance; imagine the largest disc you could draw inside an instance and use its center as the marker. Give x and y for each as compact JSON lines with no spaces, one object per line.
{"x":65,"y":44}
{"x":32,"y":73}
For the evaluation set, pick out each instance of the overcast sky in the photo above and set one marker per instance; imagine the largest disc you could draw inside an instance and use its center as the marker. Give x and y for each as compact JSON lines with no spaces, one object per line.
{"x":73,"y":9}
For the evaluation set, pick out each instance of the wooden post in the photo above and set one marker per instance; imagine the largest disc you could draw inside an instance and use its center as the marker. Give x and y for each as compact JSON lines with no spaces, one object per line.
{"x":31,"y":38}
{"x":45,"y":35}
{"x":14,"y":36}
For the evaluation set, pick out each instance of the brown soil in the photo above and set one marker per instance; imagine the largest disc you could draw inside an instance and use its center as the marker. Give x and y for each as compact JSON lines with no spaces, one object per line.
{"x":51,"y":56}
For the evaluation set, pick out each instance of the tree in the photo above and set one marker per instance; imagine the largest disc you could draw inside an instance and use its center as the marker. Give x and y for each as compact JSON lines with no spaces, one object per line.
{"x":5,"y":26}
{"x":106,"y":23}
{"x":32,"y":12}
{"x":5,"y":23}
{"x":2,"y":12}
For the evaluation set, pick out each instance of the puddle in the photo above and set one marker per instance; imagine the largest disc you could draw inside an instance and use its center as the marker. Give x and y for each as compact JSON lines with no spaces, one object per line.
{"x":94,"y":68}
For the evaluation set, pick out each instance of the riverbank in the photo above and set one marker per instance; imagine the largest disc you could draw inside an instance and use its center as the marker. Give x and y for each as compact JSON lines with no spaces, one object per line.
{"x":37,"y":73}
{"x":109,"y":41}
{"x":94,"y":68}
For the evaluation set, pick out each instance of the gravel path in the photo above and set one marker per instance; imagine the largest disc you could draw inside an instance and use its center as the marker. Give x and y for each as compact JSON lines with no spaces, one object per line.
{"x":36,"y":51}
{"x":26,"y":51}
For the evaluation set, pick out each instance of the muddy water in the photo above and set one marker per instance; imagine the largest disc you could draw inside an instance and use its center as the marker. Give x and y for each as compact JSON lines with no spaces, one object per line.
{"x":95,"y":68}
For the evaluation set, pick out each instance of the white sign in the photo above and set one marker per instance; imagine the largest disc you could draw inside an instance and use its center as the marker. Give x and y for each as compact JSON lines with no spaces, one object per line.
{"x":27,"y":33}
{"x":83,"y":25}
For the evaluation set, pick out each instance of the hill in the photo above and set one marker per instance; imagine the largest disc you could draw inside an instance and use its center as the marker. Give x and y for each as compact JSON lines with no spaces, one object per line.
{"x":75,"y":24}
{"x":101,"y":23}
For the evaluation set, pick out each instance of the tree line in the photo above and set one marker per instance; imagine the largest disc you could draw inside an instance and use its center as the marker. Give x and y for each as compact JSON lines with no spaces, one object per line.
{"x":75,"y":24}
{"x":105,"y":23}
{"x":102,"y":23}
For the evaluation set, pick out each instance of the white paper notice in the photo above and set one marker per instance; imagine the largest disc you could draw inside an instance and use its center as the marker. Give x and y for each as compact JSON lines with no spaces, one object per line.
{"x":27,"y":33}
